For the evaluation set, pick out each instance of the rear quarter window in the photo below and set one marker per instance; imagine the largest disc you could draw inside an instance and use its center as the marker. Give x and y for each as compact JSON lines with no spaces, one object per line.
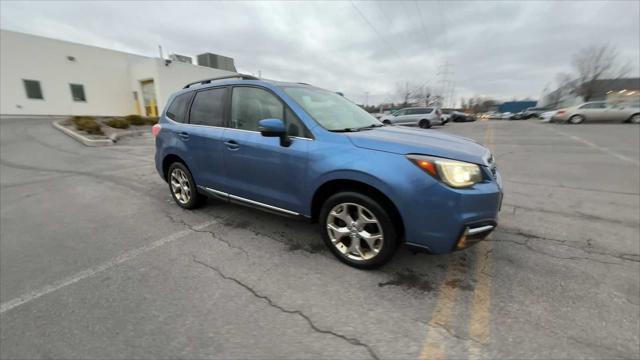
{"x":177,"y":111}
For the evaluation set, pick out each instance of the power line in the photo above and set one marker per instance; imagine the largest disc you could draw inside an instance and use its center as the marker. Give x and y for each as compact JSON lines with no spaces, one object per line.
{"x":373,"y":28}
{"x":424,"y":27}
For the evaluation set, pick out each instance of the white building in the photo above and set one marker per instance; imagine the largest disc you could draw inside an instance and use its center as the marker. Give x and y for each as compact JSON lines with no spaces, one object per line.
{"x":43,"y":76}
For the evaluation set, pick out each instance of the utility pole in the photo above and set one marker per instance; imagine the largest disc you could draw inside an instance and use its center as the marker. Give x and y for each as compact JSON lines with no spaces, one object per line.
{"x":366,"y":98}
{"x":445,"y":75}
{"x":160,"y":50}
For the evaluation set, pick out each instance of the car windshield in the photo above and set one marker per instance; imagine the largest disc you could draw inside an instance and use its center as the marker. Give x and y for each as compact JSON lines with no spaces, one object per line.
{"x":332,"y":111}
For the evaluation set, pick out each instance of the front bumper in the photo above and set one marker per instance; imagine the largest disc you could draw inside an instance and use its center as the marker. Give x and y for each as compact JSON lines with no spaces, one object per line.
{"x":453,"y":219}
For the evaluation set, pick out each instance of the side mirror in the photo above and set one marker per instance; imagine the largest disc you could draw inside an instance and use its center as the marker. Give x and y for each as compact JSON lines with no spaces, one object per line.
{"x":274,"y":128}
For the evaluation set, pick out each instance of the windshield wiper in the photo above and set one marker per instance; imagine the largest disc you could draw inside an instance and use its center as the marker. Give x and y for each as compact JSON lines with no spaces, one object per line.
{"x":368,"y":127}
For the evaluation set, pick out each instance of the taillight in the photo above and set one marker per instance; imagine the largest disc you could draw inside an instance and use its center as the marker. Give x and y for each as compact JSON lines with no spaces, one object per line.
{"x":155,"y":130}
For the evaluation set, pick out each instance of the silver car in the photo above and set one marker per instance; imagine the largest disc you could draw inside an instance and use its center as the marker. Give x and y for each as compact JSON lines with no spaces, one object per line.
{"x":424,"y":117}
{"x":600,"y":111}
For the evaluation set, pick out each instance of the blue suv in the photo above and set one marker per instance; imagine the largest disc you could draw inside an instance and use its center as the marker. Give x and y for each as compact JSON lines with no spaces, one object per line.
{"x":301,"y":151}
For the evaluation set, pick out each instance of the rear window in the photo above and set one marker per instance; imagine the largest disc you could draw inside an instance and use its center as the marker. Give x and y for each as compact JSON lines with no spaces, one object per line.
{"x":178,"y":108}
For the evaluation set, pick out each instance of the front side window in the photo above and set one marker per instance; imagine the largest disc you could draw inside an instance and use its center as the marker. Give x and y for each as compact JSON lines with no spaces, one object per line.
{"x":208,"y":107}
{"x":330,"y":110}
{"x":177,"y":111}
{"x":77,"y":92}
{"x":33,"y":90}
{"x":250,"y":105}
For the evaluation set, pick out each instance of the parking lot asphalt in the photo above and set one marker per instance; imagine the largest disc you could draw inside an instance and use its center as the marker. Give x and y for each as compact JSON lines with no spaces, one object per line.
{"x":96,"y":261}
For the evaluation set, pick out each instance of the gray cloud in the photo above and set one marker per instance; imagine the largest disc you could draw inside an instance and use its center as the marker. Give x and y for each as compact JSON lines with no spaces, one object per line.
{"x":501,"y":49}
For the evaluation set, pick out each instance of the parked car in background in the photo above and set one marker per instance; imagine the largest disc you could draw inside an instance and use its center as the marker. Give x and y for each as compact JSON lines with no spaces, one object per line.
{"x":371,"y":187}
{"x":424,"y":117}
{"x":446,"y":116}
{"x":517,"y":116}
{"x":534,"y":112}
{"x":599,"y":111}
{"x":547,"y":115}
{"x":505,"y":115}
{"x":457,"y":116}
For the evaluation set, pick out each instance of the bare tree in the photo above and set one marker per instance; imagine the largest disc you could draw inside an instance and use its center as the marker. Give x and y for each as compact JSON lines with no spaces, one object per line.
{"x":421,"y":95}
{"x":594,"y":63}
{"x":405,"y":93}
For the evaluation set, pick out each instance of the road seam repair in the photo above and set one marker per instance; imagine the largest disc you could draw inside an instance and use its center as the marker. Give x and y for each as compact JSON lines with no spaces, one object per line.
{"x":26,"y":298}
{"x":350,"y":340}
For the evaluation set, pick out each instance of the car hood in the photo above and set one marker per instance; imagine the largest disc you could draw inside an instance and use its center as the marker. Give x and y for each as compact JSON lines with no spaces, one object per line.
{"x":404,"y":140}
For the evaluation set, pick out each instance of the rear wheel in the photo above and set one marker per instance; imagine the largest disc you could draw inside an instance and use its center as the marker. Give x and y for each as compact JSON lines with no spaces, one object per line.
{"x":358,"y":230}
{"x":635,"y":119}
{"x":424,"y":123}
{"x":386,"y":122}
{"x":576,"y":119}
{"x":182,"y":187}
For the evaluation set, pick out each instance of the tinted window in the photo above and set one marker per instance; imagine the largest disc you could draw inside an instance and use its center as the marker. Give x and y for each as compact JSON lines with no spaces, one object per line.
{"x":77,"y":92}
{"x":178,"y":108}
{"x":250,"y":105}
{"x":208,"y":107}
{"x":32,"y":87}
{"x":413,"y":111}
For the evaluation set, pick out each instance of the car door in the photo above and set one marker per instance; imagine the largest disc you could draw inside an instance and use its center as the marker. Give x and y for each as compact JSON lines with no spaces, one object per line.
{"x":400,"y":116}
{"x":259,"y":170}
{"x":206,"y":119}
{"x":616,"y":113}
{"x":595,"y":111}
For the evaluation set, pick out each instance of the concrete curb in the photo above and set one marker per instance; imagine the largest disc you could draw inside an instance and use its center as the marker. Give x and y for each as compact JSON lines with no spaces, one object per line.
{"x":81,"y":138}
{"x":116,"y":137}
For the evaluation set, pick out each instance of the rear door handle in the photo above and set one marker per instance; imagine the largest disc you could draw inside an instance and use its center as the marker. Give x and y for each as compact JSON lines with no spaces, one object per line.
{"x":232,"y":145}
{"x":183,"y":135}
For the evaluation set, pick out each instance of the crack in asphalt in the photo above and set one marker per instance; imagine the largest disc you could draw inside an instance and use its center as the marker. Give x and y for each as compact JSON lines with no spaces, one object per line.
{"x":211,"y":233}
{"x":588,"y":249}
{"x":312,"y":325}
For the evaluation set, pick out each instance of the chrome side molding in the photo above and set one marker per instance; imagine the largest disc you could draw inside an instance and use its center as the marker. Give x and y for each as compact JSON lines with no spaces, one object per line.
{"x":244,"y":201}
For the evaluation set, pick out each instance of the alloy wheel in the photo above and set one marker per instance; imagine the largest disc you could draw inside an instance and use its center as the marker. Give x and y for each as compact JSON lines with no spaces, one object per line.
{"x":635,"y":119}
{"x":355,"y":231}
{"x":180,"y":186}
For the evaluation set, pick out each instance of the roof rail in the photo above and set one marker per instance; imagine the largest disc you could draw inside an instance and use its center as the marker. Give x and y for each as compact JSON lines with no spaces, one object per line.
{"x":207,"y":81}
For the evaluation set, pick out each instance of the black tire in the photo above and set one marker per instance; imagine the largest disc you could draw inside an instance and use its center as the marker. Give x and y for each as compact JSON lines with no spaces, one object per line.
{"x":384,"y":222}
{"x":634,"y":119}
{"x":195,"y":199}
{"x":387,"y":122}
{"x":576,"y":119}
{"x":424,"y":123}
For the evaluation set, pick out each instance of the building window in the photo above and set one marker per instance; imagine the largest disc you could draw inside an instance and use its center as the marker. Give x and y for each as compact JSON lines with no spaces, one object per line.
{"x":77,"y":92}
{"x":32,"y":87}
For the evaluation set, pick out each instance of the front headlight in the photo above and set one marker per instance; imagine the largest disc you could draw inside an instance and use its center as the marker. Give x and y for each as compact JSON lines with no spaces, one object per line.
{"x":457,"y":174}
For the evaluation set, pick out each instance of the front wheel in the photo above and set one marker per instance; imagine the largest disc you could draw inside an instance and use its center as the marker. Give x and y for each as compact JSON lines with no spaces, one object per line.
{"x":182,"y":187}
{"x":425,"y":124}
{"x":635,"y":119}
{"x":358,"y":230}
{"x":576,"y":119}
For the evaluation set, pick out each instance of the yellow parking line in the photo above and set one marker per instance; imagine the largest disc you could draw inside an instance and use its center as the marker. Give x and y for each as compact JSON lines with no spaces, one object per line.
{"x":434,"y":343}
{"x":479,"y":324}
{"x":433,"y":347}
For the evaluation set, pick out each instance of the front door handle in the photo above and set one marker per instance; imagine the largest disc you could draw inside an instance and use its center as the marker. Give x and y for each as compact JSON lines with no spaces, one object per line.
{"x":232,"y":145}
{"x":183,"y":135}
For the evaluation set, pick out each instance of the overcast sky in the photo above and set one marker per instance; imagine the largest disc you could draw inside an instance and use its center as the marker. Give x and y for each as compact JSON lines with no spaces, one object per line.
{"x":501,"y":49}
